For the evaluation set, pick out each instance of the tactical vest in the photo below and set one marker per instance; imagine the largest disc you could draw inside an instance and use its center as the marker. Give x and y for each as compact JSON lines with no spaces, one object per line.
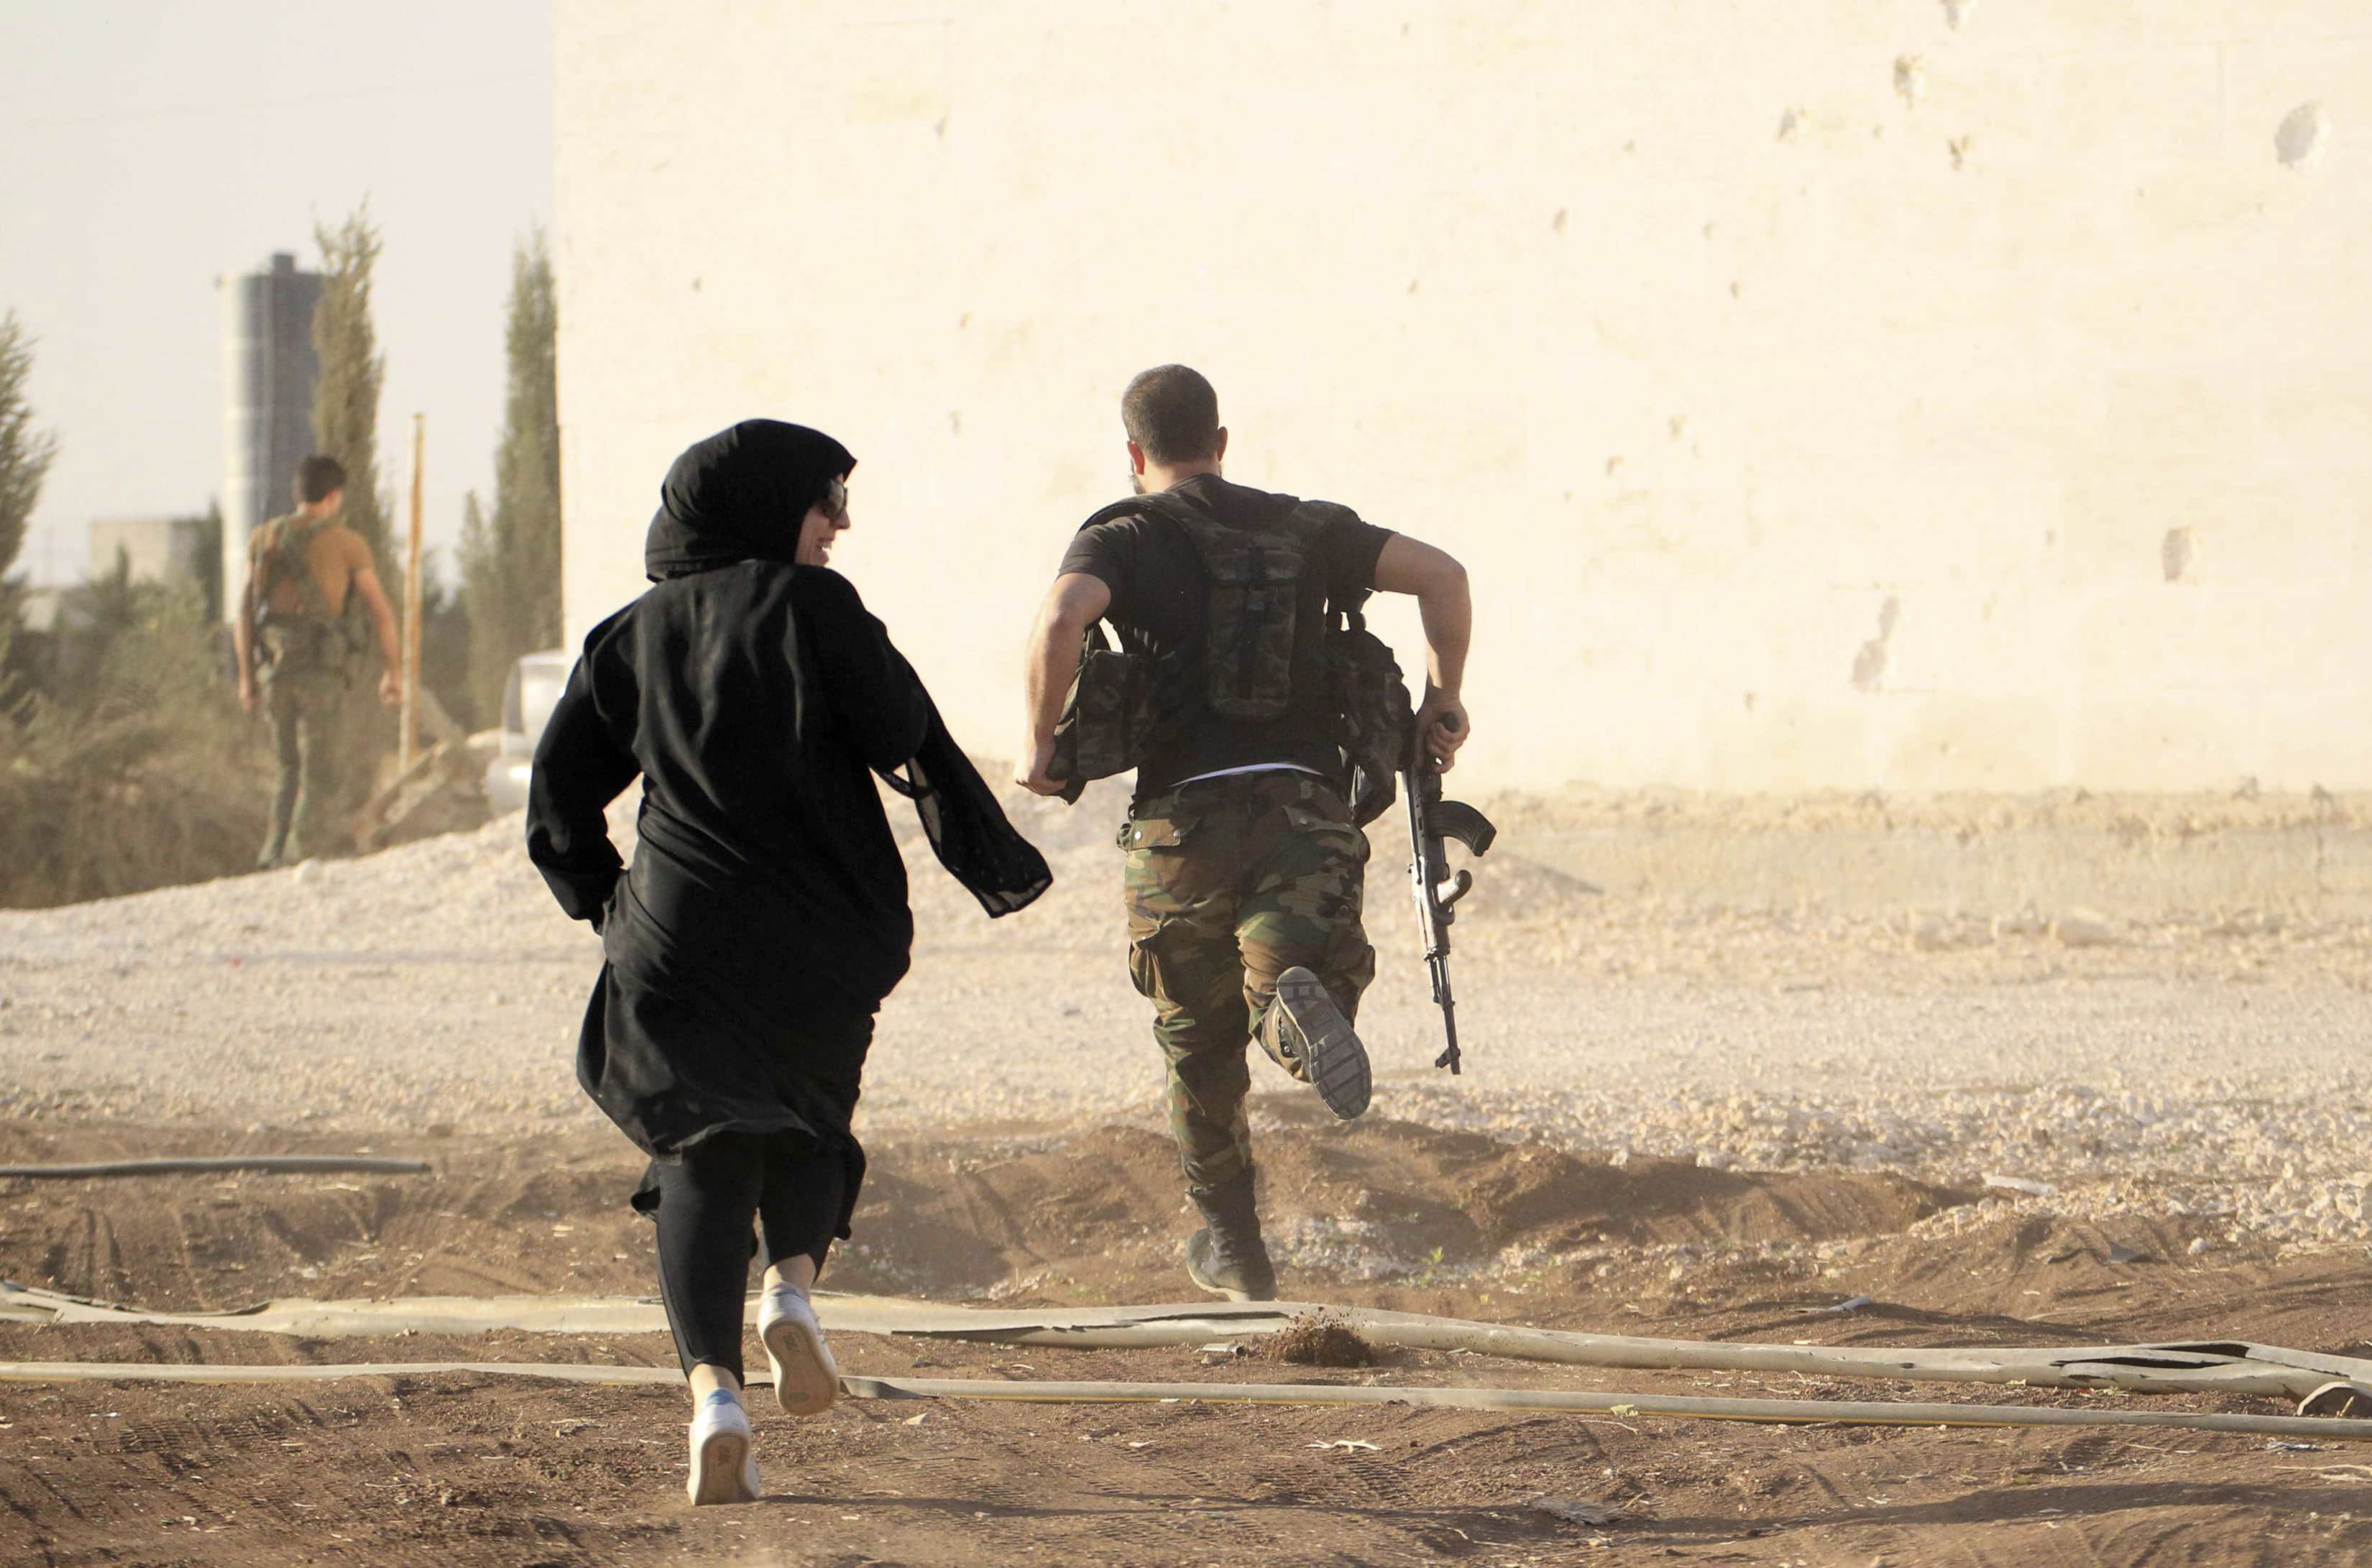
{"x":1270,"y":644}
{"x":311,"y":639}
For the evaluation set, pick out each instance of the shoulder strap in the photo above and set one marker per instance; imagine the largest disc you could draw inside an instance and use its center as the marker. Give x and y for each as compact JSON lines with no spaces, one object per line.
{"x":286,"y":553}
{"x":1306,"y":516}
{"x":1177,"y":514}
{"x":1159,"y":504}
{"x":1315,"y":515}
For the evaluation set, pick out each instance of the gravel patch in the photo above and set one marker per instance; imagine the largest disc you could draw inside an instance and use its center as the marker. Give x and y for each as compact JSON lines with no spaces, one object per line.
{"x":2214,"y":1063}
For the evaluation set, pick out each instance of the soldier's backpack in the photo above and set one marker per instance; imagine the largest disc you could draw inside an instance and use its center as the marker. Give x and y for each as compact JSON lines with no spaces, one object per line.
{"x":1269,"y":637}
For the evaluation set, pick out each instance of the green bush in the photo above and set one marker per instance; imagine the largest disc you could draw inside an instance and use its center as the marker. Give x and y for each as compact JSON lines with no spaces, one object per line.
{"x":141,"y":773}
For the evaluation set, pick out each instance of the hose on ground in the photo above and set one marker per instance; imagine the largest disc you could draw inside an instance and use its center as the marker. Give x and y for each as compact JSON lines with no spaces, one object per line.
{"x":1778,"y":1411}
{"x":271,"y":1165}
{"x":2227,"y":1367}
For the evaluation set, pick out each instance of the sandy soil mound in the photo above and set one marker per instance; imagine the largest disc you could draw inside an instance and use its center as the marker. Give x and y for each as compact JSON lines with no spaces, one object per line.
{"x":1374,"y":1202}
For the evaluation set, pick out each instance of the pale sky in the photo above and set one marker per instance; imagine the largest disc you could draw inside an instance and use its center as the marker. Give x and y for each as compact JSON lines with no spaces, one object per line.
{"x":148,"y":146}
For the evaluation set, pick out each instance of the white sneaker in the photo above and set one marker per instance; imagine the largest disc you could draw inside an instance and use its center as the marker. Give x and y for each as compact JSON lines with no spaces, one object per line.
{"x":724,"y":1462}
{"x":806,"y":1380}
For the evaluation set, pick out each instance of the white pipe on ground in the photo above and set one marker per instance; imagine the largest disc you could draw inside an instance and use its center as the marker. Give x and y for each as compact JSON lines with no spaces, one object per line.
{"x":2189,"y":1367}
{"x":1781,"y":1412}
{"x":271,"y":1165}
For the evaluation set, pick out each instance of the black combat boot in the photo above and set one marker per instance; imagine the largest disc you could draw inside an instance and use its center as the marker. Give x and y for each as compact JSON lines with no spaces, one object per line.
{"x":1307,"y":1035}
{"x":1227,"y":1256}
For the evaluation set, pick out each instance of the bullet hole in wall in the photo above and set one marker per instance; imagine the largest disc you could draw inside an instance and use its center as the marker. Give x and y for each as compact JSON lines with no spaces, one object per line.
{"x":1911,"y":79}
{"x":1869,"y":664}
{"x":2300,"y":140}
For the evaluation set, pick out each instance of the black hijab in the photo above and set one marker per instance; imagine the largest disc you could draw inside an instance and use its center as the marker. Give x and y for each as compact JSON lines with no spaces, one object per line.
{"x":740,"y":496}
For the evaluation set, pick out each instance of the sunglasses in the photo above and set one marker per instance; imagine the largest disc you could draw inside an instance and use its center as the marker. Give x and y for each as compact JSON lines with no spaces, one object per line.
{"x":833,"y":502}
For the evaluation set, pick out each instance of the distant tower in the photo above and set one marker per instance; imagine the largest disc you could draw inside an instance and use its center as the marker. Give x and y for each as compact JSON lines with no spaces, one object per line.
{"x":268,"y":369}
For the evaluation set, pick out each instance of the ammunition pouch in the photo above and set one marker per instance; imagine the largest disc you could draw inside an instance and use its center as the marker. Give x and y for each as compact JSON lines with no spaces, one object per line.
{"x":1109,"y":719}
{"x":305,"y":644}
{"x":1373,"y":714}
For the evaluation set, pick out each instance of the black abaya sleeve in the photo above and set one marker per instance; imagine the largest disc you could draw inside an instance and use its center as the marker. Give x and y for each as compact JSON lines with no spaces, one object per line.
{"x":580,"y":767}
{"x":873,"y":691}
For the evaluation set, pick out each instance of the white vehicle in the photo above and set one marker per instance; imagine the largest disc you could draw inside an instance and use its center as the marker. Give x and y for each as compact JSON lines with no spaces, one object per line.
{"x":529,"y":697}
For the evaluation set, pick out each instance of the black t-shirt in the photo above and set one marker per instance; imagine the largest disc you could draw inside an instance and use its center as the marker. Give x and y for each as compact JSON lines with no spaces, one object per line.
{"x":1157,"y":604}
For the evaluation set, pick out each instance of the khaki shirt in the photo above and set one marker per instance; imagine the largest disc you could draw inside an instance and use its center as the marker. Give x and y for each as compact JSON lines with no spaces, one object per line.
{"x":335,"y":554}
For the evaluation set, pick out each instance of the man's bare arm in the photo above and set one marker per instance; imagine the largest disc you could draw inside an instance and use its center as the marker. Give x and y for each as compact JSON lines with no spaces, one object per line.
{"x":242,"y":638}
{"x":382,"y":614}
{"x":1439,"y":583}
{"x":1076,"y":602}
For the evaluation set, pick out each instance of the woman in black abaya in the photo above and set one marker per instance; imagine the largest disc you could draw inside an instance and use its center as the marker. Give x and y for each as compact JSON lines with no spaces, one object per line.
{"x":764,"y":918}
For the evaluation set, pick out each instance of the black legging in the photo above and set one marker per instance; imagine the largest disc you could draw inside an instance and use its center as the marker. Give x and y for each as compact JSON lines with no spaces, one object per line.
{"x":706,"y":1202}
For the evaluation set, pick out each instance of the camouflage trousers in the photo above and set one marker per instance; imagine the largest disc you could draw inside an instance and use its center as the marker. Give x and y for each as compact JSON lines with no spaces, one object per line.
{"x":304,"y":708}
{"x":1231,"y":881}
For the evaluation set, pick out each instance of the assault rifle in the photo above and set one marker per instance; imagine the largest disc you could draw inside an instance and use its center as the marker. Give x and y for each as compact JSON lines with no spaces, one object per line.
{"x":1432,"y":819}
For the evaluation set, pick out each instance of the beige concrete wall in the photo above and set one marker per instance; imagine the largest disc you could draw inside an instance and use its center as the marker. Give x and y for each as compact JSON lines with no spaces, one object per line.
{"x":159,"y":548}
{"x":1703,"y":331}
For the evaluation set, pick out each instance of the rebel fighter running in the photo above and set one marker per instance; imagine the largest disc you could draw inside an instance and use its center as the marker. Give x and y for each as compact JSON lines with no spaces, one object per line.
{"x":1232,"y":697}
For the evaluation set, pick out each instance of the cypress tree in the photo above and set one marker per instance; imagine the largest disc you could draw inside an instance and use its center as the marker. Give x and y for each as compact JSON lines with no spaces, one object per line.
{"x":345,"y":388}
{"x":25,"y":456}
{"x":346,"y":426}
{"x":510,"y":559}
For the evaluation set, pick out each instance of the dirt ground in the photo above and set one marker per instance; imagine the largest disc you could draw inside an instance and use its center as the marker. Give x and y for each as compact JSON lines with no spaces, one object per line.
{"x":1726,"y":1068}
{"x":476,"y":1469}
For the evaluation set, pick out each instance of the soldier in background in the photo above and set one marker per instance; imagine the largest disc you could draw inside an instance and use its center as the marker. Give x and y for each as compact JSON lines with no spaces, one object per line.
{"x":296,"y":643}
{"x":1246,"y":867}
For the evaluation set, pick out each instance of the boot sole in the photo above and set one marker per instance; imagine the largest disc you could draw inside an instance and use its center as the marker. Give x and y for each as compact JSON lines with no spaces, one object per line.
{"x":717,"y":1470}
{"x":807,"y":1381}
{"x":1335,"y":1058}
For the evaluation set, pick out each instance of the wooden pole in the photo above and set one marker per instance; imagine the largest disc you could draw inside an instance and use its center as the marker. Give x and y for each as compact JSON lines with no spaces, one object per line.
{"x":410,"y":712}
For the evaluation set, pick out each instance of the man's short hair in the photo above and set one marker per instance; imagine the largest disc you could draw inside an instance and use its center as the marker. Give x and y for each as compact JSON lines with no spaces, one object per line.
{"x":317,"y":476}
{"x":1172,"y":412}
